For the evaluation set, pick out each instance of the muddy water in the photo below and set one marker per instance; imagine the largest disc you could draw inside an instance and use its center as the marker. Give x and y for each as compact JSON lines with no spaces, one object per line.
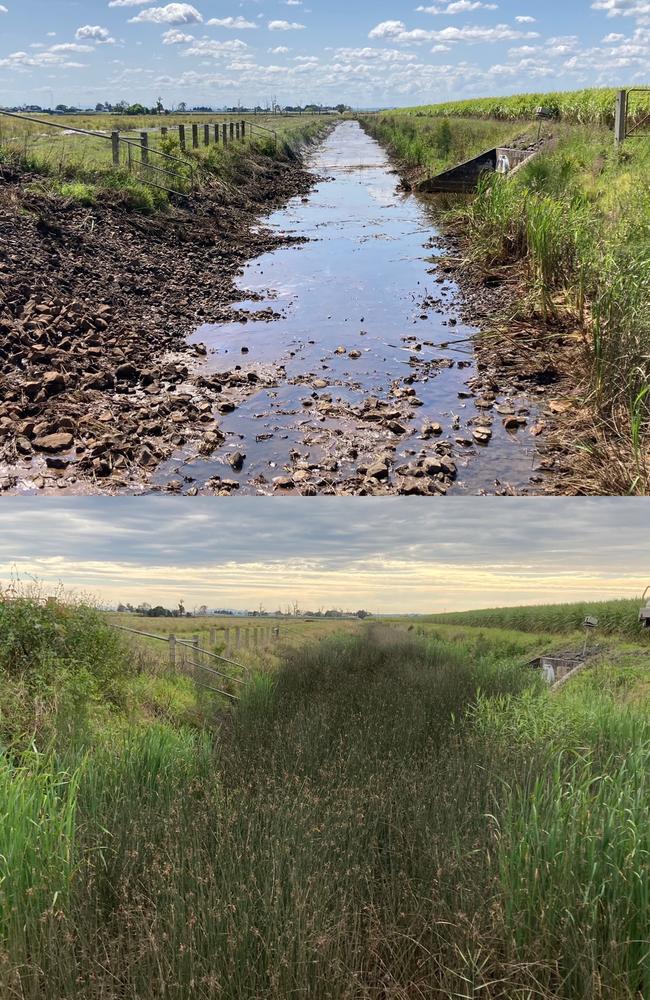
{"x":365,"y":280}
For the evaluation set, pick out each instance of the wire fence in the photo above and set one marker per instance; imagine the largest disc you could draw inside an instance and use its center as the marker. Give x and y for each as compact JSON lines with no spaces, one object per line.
{"x":234,"y":638}
{"x":158,"y":155}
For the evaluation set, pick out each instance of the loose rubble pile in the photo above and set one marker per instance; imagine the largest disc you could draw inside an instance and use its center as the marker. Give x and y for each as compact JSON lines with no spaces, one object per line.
{"x":98,"y":383}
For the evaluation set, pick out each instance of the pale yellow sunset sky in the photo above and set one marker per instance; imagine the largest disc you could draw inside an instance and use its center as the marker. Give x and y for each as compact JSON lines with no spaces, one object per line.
{"x":388,"y":555}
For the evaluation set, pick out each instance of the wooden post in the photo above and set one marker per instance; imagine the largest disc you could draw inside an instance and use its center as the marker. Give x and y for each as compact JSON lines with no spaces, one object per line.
{"x":237,"y":130}
{"x":163,"y":131}
{"x":243,"y":130}
{"x":181,"y":136}
{"x":195,"y":136}
{"x":172,"y":651}
{"x":224,"y":132}
{"x":144,"y":147}
{"x":206,"y":135}
{"x":213,"y":635}
{"x":237,"y":638}
{"x":115,"y":143}
{"x":227,"y":639}
{"x":216,"y":134}
{"x":620,"y":127}
{"x":197,"y":648}
{"x":232,"y":131}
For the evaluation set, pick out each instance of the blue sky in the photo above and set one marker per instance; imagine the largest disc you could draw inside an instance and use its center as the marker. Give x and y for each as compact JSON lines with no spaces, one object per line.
{"x":386,"y":554}
{"x":388,"y":52}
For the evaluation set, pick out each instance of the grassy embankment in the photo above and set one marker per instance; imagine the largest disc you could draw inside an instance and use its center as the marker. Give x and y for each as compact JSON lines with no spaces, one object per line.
{"x":80,"y":167}
{"x":387,"y":815}
{"x":573,"y":228}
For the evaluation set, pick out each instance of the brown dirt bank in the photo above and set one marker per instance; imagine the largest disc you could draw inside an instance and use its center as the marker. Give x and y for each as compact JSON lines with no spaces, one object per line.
{"x":98,"y":383}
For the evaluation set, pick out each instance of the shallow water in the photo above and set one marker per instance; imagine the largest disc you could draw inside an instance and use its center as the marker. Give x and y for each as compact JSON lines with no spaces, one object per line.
{"x":360,"y":283}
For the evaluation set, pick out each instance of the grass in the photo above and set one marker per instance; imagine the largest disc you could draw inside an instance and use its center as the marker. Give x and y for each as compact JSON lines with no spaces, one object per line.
{"x":431,"y":144}
{"x":402,"y":812}
{"x":80,"y":167}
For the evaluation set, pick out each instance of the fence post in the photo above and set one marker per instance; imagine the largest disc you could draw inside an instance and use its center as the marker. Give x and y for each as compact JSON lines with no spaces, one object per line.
{"x":213,"y":635}
{"x":227,"y":641}
{"x":237,"y":130}
{"x":163,"y":131}
{"x":195,"y":136}
{"x":216,"y":134}
{"x":181,"y":136}
{"x":144,"y":147}
{"x":237,"y":638}
{"x":232,"y":131}
{"x":115,"y":143}
{"x":206,"y":135}
{"x":620,"y":127}
{"x":243,"y":130}
{"x":197,"y":650}
{"x":224,"y":132}
{"x":172,"y":651}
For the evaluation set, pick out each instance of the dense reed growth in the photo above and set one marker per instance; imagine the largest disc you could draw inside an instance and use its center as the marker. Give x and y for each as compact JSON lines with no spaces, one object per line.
{"x":373,"y":820}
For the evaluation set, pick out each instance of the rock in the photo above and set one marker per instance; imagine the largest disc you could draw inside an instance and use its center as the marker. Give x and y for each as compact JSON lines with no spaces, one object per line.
{"x":301,"y":476}
{"x":397,"y":428}
{"x":237,"y":461}
{"x":482,"y":434}
{"x":378,"y":470}
{"x":412,"y":487}
{"x":54,"y":442}
{"x":127,"y":373}
{"x":340,"y":350}
{"x":514,"y":423}
{"x":227,"y":407}
{"x":283,"y":483}
{"x":354,"y":354}
{"x":23,"y":446}
{"x":320,"y":383}
{"x":53,"y":382}
{"x":430,"y":430}
{"x":56,"y":462}
{"x":145,"y":457}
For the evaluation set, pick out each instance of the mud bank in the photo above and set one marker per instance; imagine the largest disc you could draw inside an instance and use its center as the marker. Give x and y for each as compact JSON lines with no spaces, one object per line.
{"x":99,"y":384}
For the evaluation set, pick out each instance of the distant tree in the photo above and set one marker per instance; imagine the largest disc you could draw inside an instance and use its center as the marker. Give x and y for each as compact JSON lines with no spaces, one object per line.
{"x":182,"y":107}
{"x":160,"y":106}
{"x":362,"y":614}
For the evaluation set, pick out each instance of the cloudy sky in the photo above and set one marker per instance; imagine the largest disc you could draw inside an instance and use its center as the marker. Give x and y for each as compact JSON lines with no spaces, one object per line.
{"x":389,"y":555}
{"x":384,"y":52}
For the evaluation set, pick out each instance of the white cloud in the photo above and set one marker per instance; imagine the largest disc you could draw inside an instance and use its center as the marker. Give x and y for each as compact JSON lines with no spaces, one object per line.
{"x":396,"y":31}
{"x":71,"y":47}
{"x":94,"y":32}
{"x":128,"y":3}
{"x":623,"y":8}
{"x":231,"y":22}
{"x":173,"y":13}
{"x":526,"y":19}
{"x":215,"y":50}
{"x":279,"y":50}
{"x":285,"y":26}
{"x":3,"y":9}
{"x":458,"y":7}
{"x":175,"y":37}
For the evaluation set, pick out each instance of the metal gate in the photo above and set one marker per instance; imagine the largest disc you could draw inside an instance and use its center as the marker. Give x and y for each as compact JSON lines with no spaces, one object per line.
{"x":632,"y":114}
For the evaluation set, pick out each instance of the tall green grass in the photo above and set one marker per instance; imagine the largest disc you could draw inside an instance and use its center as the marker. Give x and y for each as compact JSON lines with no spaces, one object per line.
{"x":382,"y":820}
